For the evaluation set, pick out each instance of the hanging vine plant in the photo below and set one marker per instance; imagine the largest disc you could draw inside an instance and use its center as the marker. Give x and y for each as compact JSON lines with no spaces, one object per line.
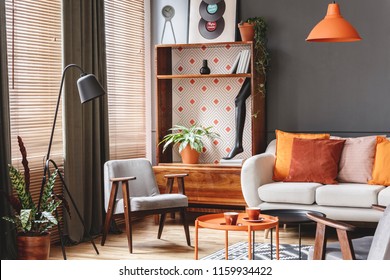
{"x":261,"y":54}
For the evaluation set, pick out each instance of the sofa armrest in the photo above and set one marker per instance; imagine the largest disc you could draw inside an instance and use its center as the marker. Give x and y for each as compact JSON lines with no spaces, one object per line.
{"x":256,"y":171}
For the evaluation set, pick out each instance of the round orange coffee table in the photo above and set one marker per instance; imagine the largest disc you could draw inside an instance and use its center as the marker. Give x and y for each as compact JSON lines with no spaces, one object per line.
{"x":217,"y":221}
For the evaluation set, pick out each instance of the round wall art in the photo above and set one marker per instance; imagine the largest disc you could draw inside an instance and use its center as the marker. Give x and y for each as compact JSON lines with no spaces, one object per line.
{"x":212,"y":21}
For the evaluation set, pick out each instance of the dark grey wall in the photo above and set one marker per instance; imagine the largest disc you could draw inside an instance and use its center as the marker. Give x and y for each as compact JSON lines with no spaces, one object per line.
{"x":334,"y":87}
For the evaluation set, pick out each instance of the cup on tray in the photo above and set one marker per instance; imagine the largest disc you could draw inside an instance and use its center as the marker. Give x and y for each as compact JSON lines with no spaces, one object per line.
{"x":253,"y":213}
{"x":231,"y":218}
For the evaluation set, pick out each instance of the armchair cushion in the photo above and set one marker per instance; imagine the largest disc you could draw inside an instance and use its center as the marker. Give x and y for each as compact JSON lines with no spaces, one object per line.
{"x":153,"y":202}
{"x":144,"y":185}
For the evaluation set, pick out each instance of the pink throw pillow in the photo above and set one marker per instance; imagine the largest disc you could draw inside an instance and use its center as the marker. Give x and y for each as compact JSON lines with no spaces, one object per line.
{"x":357,"y":159}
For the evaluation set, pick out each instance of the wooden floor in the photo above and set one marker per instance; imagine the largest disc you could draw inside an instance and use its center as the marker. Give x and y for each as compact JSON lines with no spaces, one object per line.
{"x":173,"y":244}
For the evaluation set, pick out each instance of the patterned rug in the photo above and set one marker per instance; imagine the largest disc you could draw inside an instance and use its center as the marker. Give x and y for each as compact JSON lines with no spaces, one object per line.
{"x":239,"y":251}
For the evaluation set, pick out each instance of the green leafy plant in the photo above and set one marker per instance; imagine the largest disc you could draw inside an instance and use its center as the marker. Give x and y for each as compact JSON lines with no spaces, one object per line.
{"x":26,"y":217}
{"x":192,"y":135}
{"x":261,"y":54}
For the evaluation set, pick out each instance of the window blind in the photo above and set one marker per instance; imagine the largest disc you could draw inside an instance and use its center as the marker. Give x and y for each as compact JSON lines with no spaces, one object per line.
{"x":35,"y":68}
{"x":125,"y":48}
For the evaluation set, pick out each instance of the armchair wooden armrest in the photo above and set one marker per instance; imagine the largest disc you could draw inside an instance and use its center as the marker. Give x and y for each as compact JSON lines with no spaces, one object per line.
{"x":330,"y":222}
{"x":175,"y":175}
{"x":120,"y":179}
{"x":342,"y":230}
{"x":180,"y":182}
{"x":378,"y":207}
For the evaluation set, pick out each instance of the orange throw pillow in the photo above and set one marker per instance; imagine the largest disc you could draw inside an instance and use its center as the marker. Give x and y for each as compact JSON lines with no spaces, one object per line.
{"x":381,"y":171}
{"x":284,"y":142}
{"x":315,"y":160}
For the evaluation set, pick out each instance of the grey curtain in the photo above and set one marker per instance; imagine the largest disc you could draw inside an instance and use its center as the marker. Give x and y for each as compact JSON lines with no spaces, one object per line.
{"x":86,"y":126}
{"x":7,"y":232}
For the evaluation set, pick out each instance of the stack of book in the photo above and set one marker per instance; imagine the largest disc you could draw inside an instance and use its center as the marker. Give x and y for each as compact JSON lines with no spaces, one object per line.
{"x":242,"y":62}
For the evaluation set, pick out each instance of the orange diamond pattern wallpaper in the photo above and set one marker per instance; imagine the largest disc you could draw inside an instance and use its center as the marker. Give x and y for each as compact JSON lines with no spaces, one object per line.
{"x":210,"y":101}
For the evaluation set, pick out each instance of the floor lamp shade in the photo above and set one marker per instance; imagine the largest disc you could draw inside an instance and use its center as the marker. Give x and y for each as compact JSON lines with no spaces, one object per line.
{"x":333,"y":28}
{"x":89,"y":88}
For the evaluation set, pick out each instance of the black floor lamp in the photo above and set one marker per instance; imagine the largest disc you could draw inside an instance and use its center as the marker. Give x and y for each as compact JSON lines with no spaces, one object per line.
{"x":89,"y":88}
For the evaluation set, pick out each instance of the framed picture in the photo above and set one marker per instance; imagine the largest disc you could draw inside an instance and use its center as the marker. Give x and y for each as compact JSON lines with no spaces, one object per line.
{"x":212,"y":21}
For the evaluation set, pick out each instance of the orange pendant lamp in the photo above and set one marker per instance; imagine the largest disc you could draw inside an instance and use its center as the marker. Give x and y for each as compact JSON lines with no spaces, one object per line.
{"x":333,"y":28}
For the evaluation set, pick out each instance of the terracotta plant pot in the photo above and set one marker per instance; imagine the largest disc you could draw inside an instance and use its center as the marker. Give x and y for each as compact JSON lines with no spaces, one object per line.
{"x":189,"y":156}
{"x":33,"y":247}
{"x":247,"y":31}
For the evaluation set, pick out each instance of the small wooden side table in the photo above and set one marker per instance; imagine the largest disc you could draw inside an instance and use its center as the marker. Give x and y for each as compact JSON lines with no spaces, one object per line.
{"x":217,"y":222}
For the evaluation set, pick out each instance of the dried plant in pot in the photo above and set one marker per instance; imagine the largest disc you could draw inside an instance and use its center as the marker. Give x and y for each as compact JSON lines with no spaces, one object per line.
{"x":261,"y":54}
{"x":189,"y":140}
{"x":32,"y":224}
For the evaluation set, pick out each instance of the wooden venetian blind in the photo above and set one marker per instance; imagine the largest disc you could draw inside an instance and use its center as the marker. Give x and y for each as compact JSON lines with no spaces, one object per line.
{"x":35,"y":66}
{"x":126,"y":78}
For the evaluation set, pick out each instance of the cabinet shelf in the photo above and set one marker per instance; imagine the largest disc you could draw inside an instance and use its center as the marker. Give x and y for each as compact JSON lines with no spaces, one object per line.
{"x":184,"y":95}
{"x":168,"y":77}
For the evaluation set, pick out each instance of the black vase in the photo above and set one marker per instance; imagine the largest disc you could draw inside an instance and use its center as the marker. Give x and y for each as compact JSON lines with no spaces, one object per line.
{"x":205,"y":69}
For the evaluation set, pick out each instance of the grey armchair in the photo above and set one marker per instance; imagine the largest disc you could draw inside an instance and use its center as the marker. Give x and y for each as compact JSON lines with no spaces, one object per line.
{"x":140,"y":196}
{"x":375,"y":247}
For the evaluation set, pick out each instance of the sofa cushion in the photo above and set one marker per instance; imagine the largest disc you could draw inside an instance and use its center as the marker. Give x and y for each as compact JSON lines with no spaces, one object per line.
{"x":384,"y":197}
{"x":357,"y":159}
{"x":301,"y":193}
{"x":348,"y":195}
{"x":380,"y":173}
{"x":315,"y":160}
{"x":284,"y":142}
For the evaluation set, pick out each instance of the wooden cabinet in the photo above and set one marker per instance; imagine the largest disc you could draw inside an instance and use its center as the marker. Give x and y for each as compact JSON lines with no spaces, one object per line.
{"x":177,"y":77}
{"x":208,"y":185}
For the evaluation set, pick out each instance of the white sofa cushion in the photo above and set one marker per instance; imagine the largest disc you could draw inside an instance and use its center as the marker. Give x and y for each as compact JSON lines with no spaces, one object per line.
{"x":384,"y":197}
{"x":302,"y":193}
{"x":348,"y":195}
{"x":349,"y":214}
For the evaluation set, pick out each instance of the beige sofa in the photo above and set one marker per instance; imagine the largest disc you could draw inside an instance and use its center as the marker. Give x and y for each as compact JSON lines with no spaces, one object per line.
{"x":344,"y":201}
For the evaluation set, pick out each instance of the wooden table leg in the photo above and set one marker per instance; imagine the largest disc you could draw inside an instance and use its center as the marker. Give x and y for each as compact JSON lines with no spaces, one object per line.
{"x":249,"y":243}
{"x":196,"y":239}
{"x":277,"y":241}
{"x":226,"y":244}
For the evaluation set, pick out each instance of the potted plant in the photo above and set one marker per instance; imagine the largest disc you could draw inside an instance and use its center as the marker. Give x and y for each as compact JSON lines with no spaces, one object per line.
{"x":189,"y":139}
{"x":32,"y":224}
{"x":261,"y":55}
{"x":247,"y":31}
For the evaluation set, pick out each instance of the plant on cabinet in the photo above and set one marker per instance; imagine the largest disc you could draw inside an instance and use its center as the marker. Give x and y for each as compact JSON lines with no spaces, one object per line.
{"x":189,"y":140}
{"x":261,"y":55}
{"x":247,"y":31}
